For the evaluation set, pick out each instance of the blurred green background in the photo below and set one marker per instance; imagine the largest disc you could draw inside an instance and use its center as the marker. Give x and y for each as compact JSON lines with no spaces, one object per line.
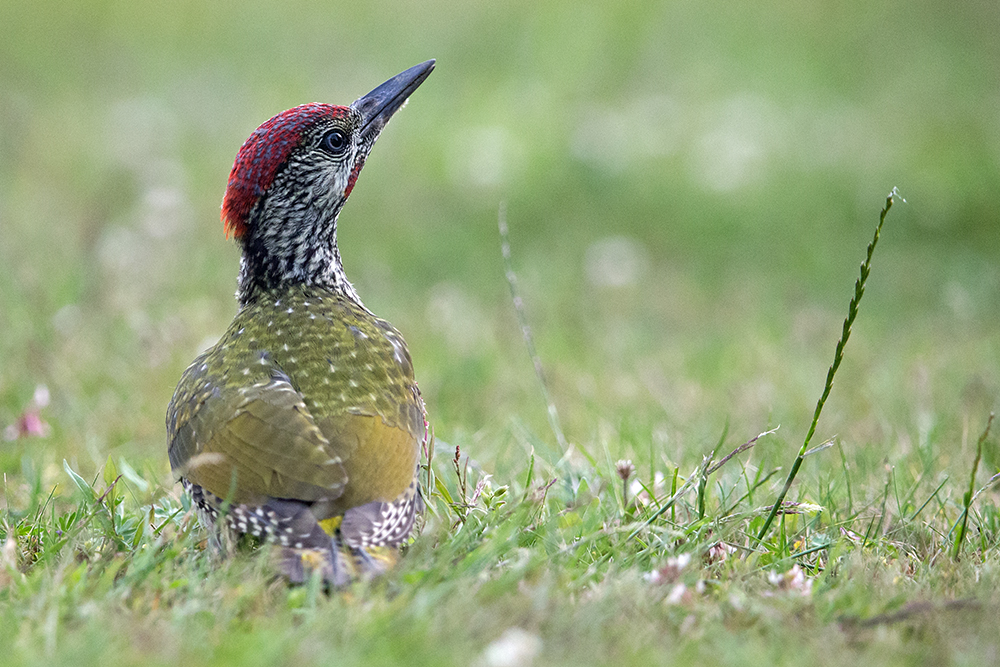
{"x":690,"y":187}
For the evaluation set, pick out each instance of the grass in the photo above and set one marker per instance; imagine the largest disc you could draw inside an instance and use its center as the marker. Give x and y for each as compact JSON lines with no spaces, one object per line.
{"x":560,"y":551}
{"x":687,"y":191}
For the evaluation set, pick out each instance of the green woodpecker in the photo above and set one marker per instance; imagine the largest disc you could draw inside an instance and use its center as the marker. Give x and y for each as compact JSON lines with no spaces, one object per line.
{"x":303,"y":424}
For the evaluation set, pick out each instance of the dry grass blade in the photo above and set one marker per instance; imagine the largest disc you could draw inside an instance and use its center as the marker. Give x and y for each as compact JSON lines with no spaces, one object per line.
{"x":739,"y":450}
{"x":529,"y":340}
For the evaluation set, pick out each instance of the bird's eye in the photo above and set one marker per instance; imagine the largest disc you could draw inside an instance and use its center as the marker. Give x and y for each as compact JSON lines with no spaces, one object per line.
{"x":334,"y":141}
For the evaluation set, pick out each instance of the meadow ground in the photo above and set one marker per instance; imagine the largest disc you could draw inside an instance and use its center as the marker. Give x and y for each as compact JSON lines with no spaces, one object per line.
{"x":689,"y":188}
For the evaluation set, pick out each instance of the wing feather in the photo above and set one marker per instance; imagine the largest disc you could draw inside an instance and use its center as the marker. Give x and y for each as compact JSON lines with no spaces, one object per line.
{"x":250,"y":442}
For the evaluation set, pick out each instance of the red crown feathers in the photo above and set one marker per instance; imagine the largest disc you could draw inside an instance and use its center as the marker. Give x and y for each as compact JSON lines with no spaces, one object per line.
{"x":262,"y":155}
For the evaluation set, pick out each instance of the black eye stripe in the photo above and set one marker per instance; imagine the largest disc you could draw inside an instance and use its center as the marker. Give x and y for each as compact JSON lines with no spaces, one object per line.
{"x":334,"y":141}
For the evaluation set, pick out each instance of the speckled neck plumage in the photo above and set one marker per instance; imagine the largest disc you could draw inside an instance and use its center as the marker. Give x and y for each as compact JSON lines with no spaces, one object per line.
{"x":293,"y":253}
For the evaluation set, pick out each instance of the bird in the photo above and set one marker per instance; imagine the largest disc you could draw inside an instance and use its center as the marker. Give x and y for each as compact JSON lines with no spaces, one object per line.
{"x":303,"y":425}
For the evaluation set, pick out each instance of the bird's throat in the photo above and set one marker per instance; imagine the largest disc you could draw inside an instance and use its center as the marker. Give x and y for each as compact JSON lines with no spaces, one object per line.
{"x":284,"y":257}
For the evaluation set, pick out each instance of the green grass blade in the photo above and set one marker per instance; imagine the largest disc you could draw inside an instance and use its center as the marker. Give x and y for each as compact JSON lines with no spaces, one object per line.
{"x":852,"y":313}
{"x":86,"y":489}
{"x":970,"y":493}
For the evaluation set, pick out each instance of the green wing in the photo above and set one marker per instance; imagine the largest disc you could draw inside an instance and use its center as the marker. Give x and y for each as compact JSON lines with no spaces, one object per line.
{"x":247,"y":442}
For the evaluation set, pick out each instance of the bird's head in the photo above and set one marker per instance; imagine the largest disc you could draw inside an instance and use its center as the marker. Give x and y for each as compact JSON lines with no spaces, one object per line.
{"x":292,"y":177}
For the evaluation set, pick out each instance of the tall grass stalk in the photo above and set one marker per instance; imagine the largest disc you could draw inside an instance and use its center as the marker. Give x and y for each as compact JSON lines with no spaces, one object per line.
{"x":529,"y":340}
{"x":838,"y":356}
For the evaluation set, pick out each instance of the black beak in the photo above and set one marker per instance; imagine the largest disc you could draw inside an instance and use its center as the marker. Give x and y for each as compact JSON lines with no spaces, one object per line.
{"x":377,"y":107}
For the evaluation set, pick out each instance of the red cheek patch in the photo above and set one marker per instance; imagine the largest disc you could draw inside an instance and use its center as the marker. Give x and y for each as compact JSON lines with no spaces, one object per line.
{"x":260,"y":157}
{"x":352,"y":179}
